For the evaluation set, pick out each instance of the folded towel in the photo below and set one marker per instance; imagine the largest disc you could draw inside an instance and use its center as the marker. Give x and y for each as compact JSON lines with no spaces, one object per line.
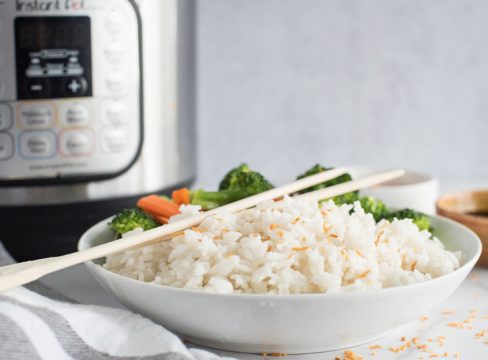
{"x":38,"y":323}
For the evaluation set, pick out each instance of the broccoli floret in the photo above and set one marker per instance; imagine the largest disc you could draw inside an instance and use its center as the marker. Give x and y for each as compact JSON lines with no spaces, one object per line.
{"x":421,"y":220}
{"x":242,"y":178}
{"x":129,"y":219}
{"x":237,"y":184}
{"x":379,"y":210}
{"x":373,"y":206}
{"x":251,"y":183}
{"x":212,"y":199}
{"x":348,"y":198}
{"x":370,"y":205}
{"x":230,"y":179}
{"x":316,"y":169}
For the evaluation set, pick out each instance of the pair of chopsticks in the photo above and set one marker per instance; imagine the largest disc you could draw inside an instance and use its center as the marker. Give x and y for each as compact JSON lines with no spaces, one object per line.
{"x":23,"y":273}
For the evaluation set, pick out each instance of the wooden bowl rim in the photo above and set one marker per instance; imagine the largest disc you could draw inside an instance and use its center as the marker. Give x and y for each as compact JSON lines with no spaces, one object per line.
{"x":461,"y":196}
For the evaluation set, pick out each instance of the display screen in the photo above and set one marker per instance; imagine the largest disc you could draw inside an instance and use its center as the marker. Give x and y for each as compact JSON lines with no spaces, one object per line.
{"x":53,"y":57}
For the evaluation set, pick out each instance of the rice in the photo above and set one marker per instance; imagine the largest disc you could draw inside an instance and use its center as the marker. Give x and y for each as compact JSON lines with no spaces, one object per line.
{"x":290,"y":246}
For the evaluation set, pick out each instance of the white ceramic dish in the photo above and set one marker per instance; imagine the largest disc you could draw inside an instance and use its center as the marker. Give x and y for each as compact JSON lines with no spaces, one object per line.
{"x":412,"y":190}
{"x":286,"y":323}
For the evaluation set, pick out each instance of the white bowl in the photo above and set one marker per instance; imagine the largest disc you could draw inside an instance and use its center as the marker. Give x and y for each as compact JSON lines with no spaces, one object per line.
{"x":286,"y":323}
{"x":412,"y":190}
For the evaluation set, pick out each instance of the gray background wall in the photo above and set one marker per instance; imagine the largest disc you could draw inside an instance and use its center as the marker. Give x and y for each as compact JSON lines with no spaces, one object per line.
{"x":287,"y":83}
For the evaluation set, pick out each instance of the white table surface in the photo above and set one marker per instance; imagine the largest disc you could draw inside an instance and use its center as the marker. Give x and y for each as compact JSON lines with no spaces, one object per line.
{"x":472,"y":296}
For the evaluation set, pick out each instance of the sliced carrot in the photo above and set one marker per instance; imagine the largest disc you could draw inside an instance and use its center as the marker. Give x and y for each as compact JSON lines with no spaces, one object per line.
{"x":157,"y":206}
{"x":181,"y":196}
{"x":160,"y":219}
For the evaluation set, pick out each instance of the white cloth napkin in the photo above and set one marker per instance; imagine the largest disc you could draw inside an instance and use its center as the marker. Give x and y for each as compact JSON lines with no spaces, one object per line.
{"x":38,"y":323}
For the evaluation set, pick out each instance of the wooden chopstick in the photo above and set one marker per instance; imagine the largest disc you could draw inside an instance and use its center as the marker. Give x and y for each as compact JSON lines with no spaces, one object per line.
{"x":344,"y":188}
{"x":23,"y":273}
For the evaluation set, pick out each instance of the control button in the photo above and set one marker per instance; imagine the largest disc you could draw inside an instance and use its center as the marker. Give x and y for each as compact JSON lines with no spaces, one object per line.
{"x":114,"y":113}
{"x":76,"y":115}
{"x":115,"y":52}
{"x":115,"y":22}
{"x":5,"y":117}
{"x":6,"y":146}
{"x":57,"y":70}
{"x":37,"y":88}
{"x":116,"y":82}
{"x":76,"y":86}
{"x":36,"y":116}
{"x":37,"y":144}
{"x":34,"y":71}
{"x":114,"y":139}
{"x":77,"y":142}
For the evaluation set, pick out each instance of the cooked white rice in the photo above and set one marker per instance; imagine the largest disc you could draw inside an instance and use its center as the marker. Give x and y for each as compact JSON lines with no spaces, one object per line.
{"x":290,"y":247}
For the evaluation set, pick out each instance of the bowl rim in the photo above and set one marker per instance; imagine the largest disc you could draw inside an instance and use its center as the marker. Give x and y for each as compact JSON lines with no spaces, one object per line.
{"x":468,"y":265}
{"x":421,"y":179}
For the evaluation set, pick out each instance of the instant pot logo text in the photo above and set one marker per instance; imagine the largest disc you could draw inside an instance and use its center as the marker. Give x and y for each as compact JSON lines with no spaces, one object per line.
{"x":47,"y":5}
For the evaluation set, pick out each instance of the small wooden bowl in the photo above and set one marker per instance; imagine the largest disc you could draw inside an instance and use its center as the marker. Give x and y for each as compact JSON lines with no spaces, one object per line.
{"x":470,"y":208}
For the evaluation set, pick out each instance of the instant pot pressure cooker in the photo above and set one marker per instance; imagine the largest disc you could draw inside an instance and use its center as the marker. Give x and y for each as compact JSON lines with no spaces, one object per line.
{"x":96,"y":109}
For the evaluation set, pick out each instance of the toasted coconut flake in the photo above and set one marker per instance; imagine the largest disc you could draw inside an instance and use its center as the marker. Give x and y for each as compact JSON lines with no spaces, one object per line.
{"x":378,"y":237}
{"x":441,"y":340}
{"x":397,"y":349}
{"x":474,"y":277}
{"x":363,"y":274}
{"x":350,"y":355}
{"x":412,"y":266}
{"x":458,"y":325}
{"x":481,"y":334}
{"x":303,"y":248}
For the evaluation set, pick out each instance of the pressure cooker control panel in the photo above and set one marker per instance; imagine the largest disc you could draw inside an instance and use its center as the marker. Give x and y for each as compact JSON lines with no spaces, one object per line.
{"x":70,"y":90}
